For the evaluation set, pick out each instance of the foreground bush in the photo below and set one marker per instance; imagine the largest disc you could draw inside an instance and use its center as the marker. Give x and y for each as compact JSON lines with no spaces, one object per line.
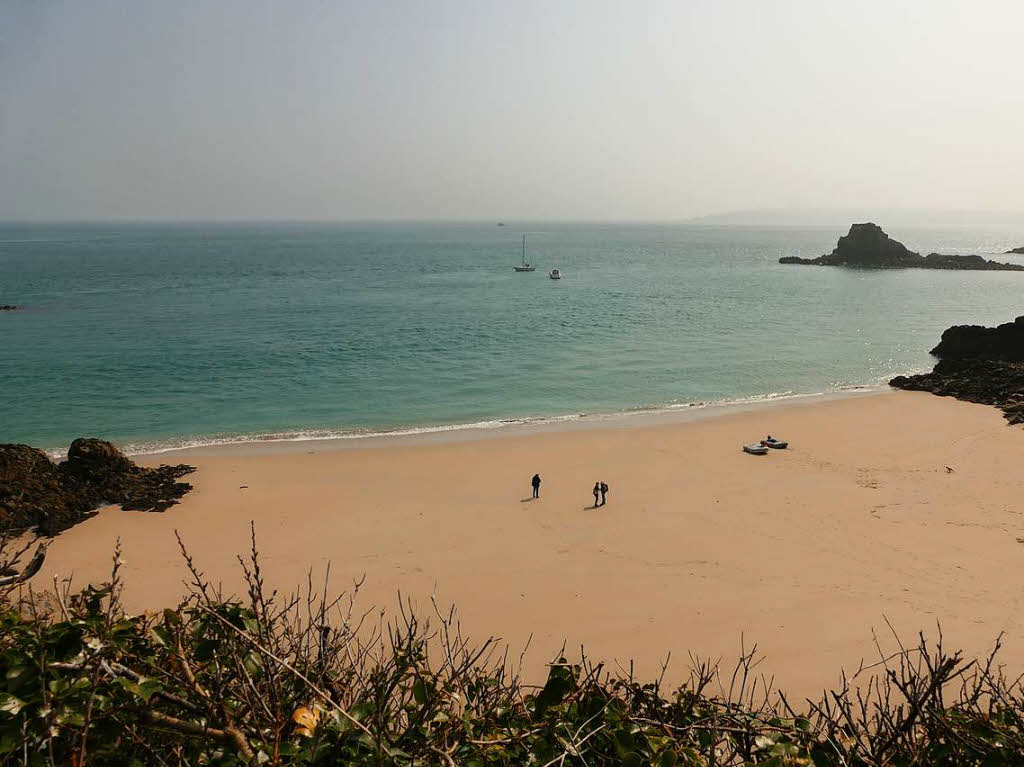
{"x":304,"y":680}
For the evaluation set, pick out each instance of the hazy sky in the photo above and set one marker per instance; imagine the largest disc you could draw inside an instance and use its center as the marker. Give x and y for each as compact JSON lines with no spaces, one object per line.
{"x":506,"y":110}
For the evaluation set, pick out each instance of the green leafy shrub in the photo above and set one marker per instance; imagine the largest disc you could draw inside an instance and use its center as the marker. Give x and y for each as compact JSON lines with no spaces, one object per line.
{"x":306,"y":680}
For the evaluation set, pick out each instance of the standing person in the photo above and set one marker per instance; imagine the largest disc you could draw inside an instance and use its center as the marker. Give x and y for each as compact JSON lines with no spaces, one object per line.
{"x":597,"y":492}
{"x":604,"y":492}
{"x":536,"y":485}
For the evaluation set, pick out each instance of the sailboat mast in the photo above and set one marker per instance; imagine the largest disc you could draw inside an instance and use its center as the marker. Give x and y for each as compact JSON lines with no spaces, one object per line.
{"x":524,"y":250}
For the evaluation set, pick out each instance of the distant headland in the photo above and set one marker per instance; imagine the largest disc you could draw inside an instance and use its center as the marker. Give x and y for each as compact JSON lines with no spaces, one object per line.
{"x":867,"y":246}
{"x":1019,"y":250}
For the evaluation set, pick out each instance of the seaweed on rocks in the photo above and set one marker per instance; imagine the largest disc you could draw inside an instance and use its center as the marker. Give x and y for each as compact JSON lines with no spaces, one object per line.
{"x":37,"y":493}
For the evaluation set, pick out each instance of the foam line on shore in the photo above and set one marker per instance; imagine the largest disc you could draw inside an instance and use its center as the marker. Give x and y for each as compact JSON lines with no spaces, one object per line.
{"x":638,"y":415}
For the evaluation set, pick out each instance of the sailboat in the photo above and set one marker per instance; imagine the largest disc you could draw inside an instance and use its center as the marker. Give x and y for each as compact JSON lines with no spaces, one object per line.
{"x":525,"y":267}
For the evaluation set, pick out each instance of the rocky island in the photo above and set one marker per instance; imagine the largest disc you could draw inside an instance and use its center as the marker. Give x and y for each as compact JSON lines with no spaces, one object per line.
{"x":977,"y":364}
{"x":37,"y":493}
{"x":867,"y":246}
{"x":7,"y":307}
{"x":1019,"y":251}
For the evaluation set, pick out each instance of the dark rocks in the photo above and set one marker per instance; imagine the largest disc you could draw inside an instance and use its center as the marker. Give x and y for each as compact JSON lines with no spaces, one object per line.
{"x":1005,"y":342}
{"x":94,"y":457}
{"x":36,"y":492}
{"x":867,"y":246}
{"x":7,"y":307}
{"x":31,"y":489}
{"x":1019,"y":251}
{"x":976,"y":263}
{"x":978,"y":364}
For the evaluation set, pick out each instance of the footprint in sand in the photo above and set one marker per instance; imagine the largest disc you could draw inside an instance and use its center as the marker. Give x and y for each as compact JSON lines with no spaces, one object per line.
{"x":867,"y":479}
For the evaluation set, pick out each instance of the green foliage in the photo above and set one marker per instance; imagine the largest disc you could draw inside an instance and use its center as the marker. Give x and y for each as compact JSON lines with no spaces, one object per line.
{"x":272,"y":681}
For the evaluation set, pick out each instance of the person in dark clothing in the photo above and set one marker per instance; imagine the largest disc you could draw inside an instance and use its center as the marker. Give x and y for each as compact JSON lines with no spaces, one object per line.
{"x":597,"y":492}
{"x":536,"y":485}
{"x":604,"y":492}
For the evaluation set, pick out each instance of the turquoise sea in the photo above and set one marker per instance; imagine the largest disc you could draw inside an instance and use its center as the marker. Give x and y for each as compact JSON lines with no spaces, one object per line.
{"x":157,"y":335}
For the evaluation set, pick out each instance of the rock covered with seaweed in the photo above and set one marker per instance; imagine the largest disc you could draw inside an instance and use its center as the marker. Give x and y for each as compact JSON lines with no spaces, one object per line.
{"x":867,"y":246}
{"x":37,"y":493}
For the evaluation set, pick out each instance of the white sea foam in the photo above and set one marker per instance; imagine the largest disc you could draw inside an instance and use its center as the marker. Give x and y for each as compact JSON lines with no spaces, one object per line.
{"x":309,"y":435}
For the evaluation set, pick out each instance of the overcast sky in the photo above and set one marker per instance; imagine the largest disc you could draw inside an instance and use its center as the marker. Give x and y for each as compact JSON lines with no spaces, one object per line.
{"x":506,"y":110}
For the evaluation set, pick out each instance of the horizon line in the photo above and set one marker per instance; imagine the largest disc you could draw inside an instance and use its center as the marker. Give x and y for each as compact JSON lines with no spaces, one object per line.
{"x":855,"y":211}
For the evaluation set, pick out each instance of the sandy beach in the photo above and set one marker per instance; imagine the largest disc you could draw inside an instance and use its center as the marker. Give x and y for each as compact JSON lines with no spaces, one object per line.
{"x":895,"y":505}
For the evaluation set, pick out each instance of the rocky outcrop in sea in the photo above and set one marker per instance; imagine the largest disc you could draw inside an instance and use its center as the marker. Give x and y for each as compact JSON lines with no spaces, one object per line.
{"x":963,"y":342}
{"x":37,"y":493}
{"x":867,"y":246}
{"x":1018,"y":251}
{"x":977,"y":364}
{"x":7,"y":307}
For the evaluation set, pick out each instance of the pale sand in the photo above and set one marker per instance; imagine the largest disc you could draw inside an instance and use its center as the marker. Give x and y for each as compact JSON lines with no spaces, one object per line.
{"x":803,"y":551}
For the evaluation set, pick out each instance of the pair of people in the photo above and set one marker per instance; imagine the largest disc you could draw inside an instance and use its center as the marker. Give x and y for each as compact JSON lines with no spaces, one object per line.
{"x":600,"y":490}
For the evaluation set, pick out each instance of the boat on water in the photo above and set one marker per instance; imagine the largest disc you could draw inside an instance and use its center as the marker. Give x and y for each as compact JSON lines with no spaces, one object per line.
{"x":555,"y":274}
{"x":526,"y":266}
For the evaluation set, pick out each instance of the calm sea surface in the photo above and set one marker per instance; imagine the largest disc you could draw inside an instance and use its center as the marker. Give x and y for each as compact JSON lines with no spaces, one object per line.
{"x":157,"y":335}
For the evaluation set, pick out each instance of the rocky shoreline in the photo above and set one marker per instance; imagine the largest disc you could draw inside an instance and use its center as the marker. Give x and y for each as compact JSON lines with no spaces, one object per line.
{"x":977,"y":364}
{"x":867,"y":246}
{"x":36,"y":493}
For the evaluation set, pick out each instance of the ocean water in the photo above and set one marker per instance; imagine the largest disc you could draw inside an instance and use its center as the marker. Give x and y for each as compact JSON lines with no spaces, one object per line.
{"x":156,"y":335}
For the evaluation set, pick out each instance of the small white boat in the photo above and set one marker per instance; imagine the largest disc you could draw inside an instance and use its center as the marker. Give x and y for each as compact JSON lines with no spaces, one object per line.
{"x":555,"y":274}
{"x":777,"y":444}
{"x":526,"y":266}
{"x":755,"y":449}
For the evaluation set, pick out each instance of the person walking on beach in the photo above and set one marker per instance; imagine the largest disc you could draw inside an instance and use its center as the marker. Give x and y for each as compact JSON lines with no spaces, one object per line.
{"x":536,"y":485}
{"x":597,"y":492}
{"x":604,"y":492}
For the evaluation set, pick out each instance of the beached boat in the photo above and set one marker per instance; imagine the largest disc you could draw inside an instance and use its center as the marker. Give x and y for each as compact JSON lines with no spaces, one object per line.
{"x":778,"y":444}
{"x":555,"y":274}
{"x":525,"y":267}
{"x":755,"y":449}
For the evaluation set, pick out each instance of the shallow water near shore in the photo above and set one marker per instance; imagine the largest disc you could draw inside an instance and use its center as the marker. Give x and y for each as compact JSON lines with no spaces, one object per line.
{"x":160,"y":335}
